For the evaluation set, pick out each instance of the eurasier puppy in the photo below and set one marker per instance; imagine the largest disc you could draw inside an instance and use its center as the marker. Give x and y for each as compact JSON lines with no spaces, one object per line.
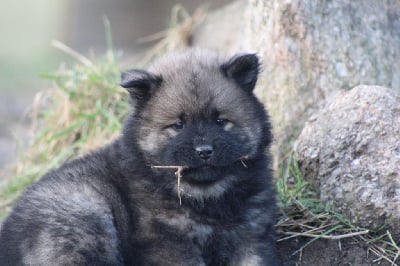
{"x":187,"y":183}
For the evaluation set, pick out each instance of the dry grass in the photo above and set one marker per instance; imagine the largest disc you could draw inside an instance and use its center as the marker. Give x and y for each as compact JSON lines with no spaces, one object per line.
{"x":178,"y":174}
{"x":304,"y":215}
{"x":81,"y":113}
{"x":179,"y":33}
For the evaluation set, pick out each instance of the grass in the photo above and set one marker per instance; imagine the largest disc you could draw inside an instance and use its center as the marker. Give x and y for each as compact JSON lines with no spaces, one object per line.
{"x":82,"y":113}
{"x":304,"y":215}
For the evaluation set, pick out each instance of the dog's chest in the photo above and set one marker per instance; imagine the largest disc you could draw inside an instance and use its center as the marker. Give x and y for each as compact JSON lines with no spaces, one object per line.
{"x":158,"y":223}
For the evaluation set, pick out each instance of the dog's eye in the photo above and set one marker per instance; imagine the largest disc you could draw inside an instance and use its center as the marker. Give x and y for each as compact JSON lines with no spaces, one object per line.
{"x":178,"y":125}
{"x":221,"y":122}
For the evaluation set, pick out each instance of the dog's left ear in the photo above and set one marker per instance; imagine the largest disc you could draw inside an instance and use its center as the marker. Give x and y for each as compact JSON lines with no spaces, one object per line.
{"x":243,"y":69}
{"x":140,"y":84}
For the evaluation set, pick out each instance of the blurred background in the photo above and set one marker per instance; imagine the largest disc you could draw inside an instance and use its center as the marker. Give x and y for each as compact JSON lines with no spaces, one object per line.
{"x":28,"y":27}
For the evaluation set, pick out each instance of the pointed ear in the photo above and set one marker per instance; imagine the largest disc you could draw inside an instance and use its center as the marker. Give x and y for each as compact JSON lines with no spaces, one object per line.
{"x":139,"y":83}
{"x":243,"y":69}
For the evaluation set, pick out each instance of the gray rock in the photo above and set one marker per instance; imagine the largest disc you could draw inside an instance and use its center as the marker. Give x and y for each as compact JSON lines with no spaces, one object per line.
{"x":314,"y":48}
{"x":310,"y":49}
{"x":351,"y":150}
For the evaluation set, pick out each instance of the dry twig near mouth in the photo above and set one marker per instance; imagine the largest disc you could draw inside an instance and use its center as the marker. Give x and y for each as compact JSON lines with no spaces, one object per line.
{"x":178,"y":174}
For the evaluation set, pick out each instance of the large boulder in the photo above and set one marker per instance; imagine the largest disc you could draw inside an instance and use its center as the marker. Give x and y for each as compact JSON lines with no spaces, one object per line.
{"x":310,"y":49}
{"x":314,"y":48}
{"x":351,"y":150}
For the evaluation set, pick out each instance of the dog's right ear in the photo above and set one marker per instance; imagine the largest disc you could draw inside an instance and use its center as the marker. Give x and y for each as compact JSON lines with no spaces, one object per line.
{"x":139,"y":83}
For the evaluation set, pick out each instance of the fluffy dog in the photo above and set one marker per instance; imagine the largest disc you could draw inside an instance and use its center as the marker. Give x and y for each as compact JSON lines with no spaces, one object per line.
{"x":188,"y":182}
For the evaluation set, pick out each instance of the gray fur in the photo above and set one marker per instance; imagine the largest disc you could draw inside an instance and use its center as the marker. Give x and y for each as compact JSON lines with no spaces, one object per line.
{"x":111,"y":208}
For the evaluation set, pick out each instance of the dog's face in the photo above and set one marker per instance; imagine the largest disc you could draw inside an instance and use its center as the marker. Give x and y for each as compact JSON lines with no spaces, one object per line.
{"x":197,"y":110}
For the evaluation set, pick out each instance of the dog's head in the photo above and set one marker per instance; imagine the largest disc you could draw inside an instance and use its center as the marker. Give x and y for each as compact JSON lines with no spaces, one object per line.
{"x":197,"y":109}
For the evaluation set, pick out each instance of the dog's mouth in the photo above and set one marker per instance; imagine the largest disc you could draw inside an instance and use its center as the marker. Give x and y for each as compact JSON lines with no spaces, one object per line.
{"x":203,"y":175}
{"x":192,"y":176}
{"x":199,"y":175}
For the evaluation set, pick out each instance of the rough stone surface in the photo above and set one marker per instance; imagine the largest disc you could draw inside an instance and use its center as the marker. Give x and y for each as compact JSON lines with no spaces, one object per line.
{"x":351,"y":150}
{"x":310,"y":49}
{"x":313,"y":48}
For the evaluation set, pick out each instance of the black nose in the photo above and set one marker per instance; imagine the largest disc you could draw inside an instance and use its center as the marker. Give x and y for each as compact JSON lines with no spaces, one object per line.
{"x":204,"y":151}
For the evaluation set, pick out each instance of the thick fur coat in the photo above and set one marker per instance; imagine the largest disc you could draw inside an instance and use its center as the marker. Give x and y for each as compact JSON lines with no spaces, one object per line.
{"x":193,"y":109}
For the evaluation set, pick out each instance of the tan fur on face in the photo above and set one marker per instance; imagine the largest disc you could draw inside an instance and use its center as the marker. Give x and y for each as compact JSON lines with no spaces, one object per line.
{"x":194,"y":86}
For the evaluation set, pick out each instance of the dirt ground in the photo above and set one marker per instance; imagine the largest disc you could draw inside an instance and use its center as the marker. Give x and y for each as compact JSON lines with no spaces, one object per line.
{"x":345,"y":252}
{"x":326,"y":253}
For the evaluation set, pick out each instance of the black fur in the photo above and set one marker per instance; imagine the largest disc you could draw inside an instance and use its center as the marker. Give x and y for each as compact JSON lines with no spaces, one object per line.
{"x":112,"y":208}
{"x":243,"y":69}
{"x":139,"y":83}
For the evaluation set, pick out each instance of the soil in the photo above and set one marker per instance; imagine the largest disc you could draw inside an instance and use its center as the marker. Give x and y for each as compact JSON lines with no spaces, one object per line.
{"x":326,"y":253}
